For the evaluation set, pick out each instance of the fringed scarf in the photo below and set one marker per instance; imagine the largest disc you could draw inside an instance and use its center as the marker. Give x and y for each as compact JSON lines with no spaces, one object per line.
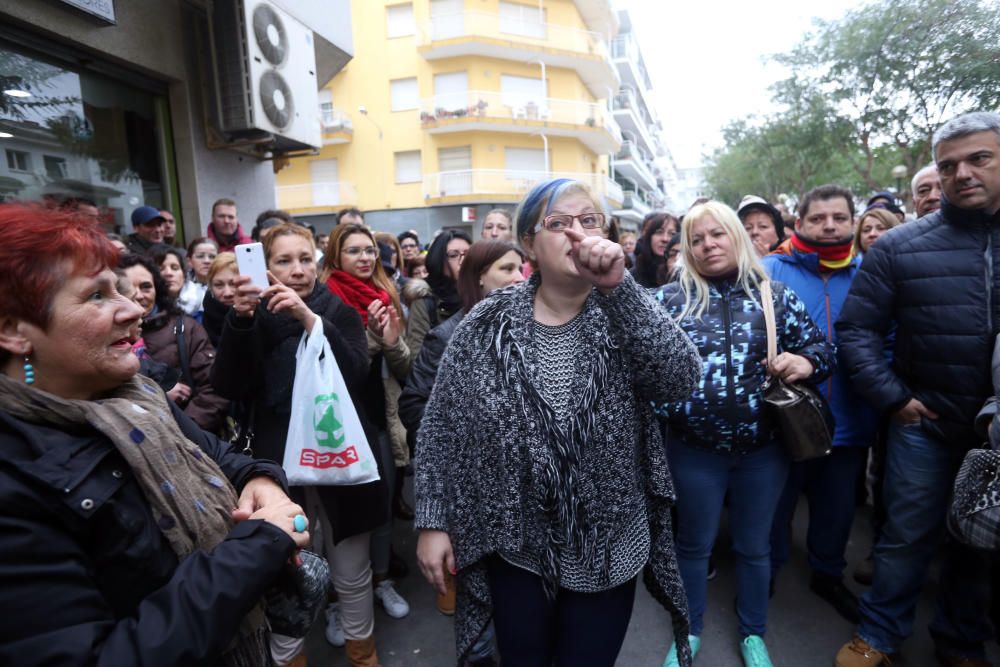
{"x":356,"y":293}
{"x":832,"y":256}
{"x":190,"y":497}
{"x":568,"y":526}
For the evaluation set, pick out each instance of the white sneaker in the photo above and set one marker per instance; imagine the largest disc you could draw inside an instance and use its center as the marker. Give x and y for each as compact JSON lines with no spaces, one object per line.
{"x":334,"y":630}
{"x":392,"y":602}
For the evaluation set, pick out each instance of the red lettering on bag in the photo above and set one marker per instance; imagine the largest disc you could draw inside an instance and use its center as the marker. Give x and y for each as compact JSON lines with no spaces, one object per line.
{"x":314,"y":459}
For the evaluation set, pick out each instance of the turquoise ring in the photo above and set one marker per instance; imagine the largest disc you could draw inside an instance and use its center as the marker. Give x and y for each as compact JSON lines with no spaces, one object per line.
{"x":299,"y":523}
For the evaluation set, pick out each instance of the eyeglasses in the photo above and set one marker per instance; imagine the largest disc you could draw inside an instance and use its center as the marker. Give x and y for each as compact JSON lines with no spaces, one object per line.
{"x":457,"y":254}
{"x":354,"y":252}
{"x":560,"y":222}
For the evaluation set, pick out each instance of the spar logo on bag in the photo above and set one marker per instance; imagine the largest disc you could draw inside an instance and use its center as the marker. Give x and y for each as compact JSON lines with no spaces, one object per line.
{"x":329,"y":432}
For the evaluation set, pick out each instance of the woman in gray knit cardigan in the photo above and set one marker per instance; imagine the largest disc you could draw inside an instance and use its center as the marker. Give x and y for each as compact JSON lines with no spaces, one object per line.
{"x":542,"y":481}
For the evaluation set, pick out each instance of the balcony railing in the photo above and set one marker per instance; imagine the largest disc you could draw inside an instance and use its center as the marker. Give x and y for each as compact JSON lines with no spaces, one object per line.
{"x":335,"y":120}
{"x":480,"y":104}
{"x":624,"y":47}
{"x":503,"y":183}
{"x":494,"y":26}
{"x":613,"y":191}
{"x":319,"y":193}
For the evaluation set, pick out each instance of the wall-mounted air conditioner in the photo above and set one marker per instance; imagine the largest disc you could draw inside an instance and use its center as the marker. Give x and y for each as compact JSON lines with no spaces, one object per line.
{"x":265,"y":69}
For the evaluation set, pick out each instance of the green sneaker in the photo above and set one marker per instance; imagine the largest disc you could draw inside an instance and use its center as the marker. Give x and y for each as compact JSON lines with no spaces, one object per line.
{"x":671,"y":660}
{"x":754,"y":652}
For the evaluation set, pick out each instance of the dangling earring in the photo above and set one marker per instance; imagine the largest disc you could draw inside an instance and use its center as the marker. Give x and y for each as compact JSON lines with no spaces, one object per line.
{"x":29,"y":371}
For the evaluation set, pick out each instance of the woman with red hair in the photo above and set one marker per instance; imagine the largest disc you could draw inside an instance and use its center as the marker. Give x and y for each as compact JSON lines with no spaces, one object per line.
{"x":120,"y":540}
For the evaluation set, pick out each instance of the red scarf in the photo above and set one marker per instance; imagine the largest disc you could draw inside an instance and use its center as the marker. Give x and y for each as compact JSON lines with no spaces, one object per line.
{"x":832,"y":256}
{"x":357,"y":293}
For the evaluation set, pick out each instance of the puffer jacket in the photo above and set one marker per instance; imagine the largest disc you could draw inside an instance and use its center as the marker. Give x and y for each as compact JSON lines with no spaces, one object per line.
{"x":726,"y":412}
{"x":206,"y":407}
{"x":935,"y":279}
{"x":824,"y":295}
{"x":86,"y":575}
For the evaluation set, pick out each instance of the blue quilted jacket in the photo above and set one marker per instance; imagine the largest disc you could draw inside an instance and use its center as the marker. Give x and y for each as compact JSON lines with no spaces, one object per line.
{"x":824,"y":296}
{"x":726,"y":412}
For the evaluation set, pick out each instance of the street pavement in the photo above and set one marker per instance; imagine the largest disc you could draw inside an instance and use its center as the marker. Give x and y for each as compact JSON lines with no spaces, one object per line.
{"x":803,"y":631}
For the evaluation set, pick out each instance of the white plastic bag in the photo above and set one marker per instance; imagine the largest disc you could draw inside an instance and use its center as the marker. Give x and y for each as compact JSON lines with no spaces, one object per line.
{"x":326,"y":444}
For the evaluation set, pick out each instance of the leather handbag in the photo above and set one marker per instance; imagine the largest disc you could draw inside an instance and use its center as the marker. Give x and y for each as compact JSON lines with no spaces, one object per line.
{"x":974,"y":514}
{"x":803,"y":415}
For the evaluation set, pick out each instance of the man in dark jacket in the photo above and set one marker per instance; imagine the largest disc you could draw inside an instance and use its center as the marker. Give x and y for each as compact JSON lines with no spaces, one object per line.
{"x":819,"y":265}
{"x":935,"y":279}
{"x":148,"y":224}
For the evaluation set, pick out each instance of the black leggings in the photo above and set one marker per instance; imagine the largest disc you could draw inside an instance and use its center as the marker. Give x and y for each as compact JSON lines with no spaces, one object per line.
{"x":574,"y":629}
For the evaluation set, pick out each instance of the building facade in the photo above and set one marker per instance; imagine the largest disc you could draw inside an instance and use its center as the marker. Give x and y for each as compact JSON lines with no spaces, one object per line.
{"x":452,"y":107}
{"x":110,"y":101}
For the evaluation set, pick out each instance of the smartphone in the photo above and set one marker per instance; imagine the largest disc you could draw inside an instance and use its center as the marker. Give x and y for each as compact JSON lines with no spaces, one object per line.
{"x":250,"y":260}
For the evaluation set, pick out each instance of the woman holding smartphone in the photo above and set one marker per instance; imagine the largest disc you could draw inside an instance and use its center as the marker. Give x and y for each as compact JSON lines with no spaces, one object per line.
{"x":256,"y":363}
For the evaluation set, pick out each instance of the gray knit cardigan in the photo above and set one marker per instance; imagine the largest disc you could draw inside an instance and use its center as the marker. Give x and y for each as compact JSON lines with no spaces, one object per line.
{"x":486,"y":422}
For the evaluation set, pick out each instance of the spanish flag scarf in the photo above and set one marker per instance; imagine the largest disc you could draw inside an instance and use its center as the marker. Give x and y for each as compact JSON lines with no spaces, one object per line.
{"x":832,"y":256}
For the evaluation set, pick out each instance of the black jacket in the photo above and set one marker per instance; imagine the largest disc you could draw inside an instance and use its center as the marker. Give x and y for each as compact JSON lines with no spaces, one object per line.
{"x":255,"y":362}
{"x":87,"y":578}
{"x":935,"y":279}
{"x":423,"y":372}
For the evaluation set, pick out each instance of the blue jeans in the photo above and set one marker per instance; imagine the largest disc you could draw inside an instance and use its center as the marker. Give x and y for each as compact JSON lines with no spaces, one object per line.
{"x":830,"y":484}
{"x":754,"y":482}
{"x":919,"y":475}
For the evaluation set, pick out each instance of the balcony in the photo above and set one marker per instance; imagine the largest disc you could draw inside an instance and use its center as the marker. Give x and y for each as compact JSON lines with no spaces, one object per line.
{"x":312,"y":197}
{"x":636,"y":165}
{"x":633,"y":118}
{"x":493,"y":36}
{"x":613,"y":191}
{"x":471,"y":186}
{"x":598,"y":15}
{"x":476,"y":110}
{"x":338,"y":128}
{"x":635,"y":201}
{"x":628,"y":59}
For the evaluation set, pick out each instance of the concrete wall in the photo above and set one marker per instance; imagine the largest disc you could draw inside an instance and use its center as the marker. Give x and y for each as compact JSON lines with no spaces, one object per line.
{"x":156,"y":38}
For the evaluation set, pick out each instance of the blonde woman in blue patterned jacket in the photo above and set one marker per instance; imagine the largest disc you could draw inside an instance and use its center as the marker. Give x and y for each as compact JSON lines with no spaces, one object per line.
{"x":541,"y":476}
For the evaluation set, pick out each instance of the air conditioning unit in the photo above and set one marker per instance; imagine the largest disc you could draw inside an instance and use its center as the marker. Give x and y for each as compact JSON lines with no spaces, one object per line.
{"x":265,"y":69}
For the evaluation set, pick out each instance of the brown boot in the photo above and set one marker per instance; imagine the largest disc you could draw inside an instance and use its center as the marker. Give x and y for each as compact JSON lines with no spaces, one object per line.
{"x":858,"y":653}
{"x":297,"y":661}
{"x":361,"y":652}
{"x":446,"y":603}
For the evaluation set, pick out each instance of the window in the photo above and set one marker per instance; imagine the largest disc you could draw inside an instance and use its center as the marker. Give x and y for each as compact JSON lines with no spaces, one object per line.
{"x":447,"y":19}
{"x":455,"y":165}
{"x":399,"y":21}
{"x":325,"y":183}
{"x":525,"y":96}
{"x":408,"y":167}
{"x":524,"y":20}
{"x":525,"y":163}
{"x":326,"y":106}
{"x":18,"y":160}
{"x":451,"y":91}
{"x":404,"y":94}
{"x":55,"y":167}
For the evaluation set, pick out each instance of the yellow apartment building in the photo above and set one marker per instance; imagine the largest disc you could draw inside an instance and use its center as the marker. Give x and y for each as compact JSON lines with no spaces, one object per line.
{"x":452,"y":107}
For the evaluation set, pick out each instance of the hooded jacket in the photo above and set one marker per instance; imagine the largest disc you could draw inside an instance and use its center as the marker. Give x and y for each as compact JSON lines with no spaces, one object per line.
{"x":824,"y":294}
{"x":935,"y":279}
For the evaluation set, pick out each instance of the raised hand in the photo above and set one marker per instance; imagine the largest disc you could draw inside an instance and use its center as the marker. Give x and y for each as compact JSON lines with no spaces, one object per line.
{"x":282,"y":298}
{"x":247,"y":297}
{"x":599,"y":260}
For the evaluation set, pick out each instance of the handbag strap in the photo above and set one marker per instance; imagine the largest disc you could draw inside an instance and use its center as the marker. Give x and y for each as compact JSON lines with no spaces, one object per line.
{"x":767,"y":303}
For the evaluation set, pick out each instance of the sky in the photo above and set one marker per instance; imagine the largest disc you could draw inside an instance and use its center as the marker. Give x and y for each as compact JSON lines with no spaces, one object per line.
{"x":706,"y":59}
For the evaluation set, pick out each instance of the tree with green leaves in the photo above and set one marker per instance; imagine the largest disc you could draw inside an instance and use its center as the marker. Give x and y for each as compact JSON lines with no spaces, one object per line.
{"x":881,"y":79}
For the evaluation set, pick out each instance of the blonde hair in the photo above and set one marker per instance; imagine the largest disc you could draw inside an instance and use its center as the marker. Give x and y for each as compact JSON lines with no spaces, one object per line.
{"x":695,"y":287}
{"x":222,"y":262}
{"x":331,"y":260}
{"x":882,"y":215}
{"x":285,"y":229}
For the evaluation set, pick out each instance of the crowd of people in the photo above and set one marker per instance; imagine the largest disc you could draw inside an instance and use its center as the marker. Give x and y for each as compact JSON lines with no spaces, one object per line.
{"x":577,"y":405}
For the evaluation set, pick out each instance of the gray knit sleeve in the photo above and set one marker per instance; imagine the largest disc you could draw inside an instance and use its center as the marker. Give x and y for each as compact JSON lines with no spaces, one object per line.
{"x":444,"y":429}
{"x":665,"y":363}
